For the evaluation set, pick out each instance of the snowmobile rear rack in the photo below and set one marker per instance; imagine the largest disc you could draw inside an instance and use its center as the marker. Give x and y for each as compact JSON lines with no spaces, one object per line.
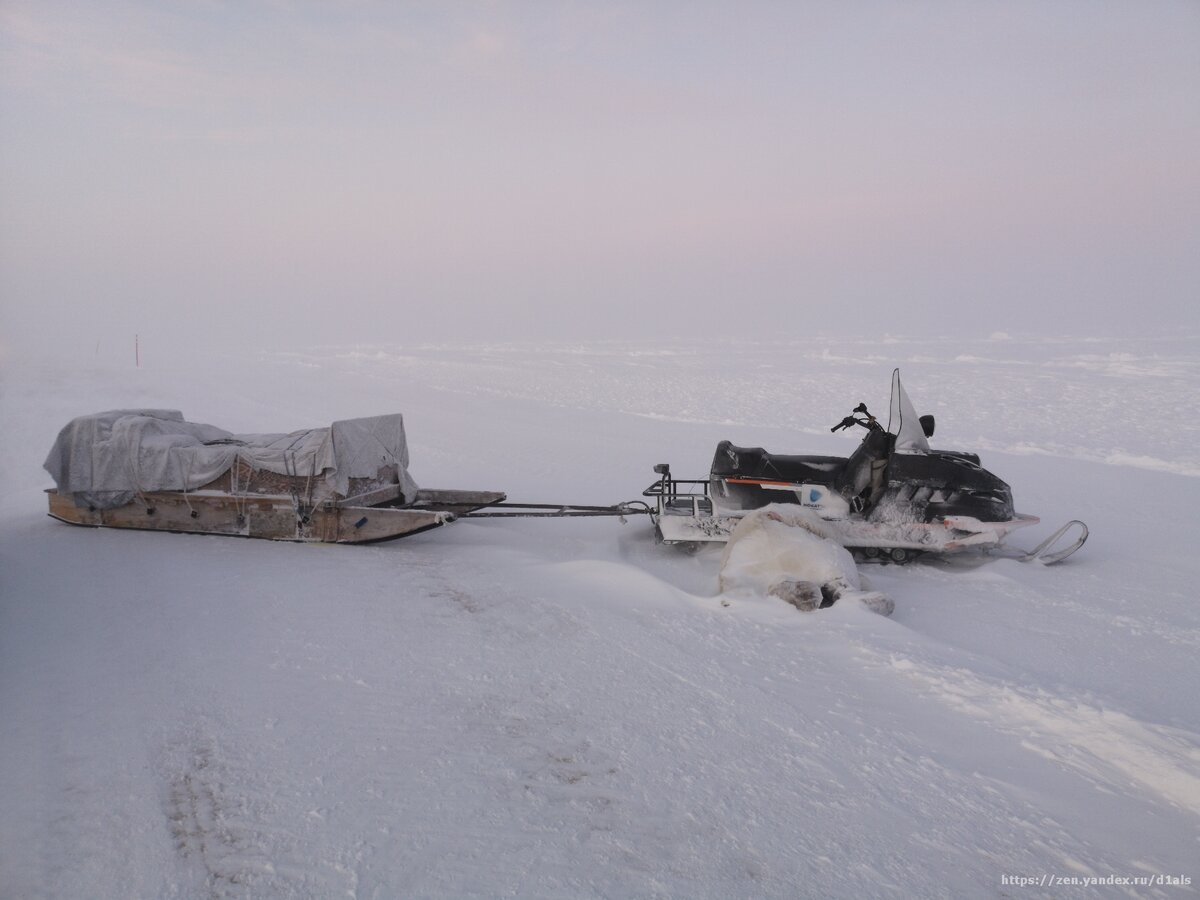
{"x":668,"y":494}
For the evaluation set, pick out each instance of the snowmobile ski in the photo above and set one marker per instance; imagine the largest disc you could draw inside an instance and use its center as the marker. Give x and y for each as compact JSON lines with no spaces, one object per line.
{"x":1053,"y":549}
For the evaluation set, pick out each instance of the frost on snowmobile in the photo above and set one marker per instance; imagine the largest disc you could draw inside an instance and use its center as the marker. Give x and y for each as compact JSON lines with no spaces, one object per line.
{"x":893,"y":498}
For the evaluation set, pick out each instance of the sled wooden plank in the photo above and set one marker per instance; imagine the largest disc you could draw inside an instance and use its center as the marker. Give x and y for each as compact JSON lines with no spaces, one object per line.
{"x":367,"y":524}
{"x":265,"y":516}
{"x":373,"y":498}
{"x":456,"y":501}
{"x":272,"y":517}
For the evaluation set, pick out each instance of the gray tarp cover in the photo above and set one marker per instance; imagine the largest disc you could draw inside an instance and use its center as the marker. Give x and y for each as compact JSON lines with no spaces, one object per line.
{"x":106,"y":458}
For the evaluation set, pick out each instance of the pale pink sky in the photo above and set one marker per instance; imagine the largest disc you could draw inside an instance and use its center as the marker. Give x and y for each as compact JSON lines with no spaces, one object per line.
{"x":385,"y":171}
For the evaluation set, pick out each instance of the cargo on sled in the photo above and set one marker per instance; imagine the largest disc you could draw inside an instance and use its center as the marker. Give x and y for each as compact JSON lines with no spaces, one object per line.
{"x":149,"y":469}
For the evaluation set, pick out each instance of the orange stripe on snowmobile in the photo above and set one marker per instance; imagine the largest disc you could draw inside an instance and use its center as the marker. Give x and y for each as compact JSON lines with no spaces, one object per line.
{"x":761,"y":481}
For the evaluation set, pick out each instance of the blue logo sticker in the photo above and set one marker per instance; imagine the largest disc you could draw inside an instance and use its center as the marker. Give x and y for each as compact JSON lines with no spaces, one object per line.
{"x":814,"y":495}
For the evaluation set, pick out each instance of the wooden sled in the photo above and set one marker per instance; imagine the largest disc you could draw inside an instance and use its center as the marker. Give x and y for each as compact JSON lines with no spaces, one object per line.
{"x":362,"y":519}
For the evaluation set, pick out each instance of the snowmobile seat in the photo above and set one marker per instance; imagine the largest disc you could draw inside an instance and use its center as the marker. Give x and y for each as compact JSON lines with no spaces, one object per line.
{"x":803,"y":469}
{"x":755,"y":462}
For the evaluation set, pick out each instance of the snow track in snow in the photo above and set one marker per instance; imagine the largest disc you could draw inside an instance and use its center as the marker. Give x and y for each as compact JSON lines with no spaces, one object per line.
{"x":1109,"y":747}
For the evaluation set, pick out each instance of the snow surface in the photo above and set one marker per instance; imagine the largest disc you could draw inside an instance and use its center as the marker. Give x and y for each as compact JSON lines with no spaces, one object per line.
{"x":561,"y":708}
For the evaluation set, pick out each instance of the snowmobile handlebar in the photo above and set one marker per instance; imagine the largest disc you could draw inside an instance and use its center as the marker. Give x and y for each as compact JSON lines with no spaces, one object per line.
{"x":870,"y":423}
{"x":845,"y":423}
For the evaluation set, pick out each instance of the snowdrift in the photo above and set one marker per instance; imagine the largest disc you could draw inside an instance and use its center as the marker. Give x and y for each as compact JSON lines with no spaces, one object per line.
{"x":787,"y":551}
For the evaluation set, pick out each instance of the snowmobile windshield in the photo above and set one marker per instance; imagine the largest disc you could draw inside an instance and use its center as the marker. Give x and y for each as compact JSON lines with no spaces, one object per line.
{"x":903,"y":420}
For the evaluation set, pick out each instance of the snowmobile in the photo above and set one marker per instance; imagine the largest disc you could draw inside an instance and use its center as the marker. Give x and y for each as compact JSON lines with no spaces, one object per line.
{"x":893,"y":499}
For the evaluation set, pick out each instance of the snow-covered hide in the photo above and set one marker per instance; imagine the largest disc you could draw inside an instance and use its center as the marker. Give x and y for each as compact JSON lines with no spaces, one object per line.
{"x":106,"y":458}
{"x":789,"y":552}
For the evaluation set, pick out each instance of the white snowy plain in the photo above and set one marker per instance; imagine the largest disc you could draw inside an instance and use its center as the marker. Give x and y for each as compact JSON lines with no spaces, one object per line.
{"x":563,"y":708}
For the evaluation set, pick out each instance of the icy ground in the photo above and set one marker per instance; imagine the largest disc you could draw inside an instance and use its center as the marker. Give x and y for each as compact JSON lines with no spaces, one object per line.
{"x":562,"y":708}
